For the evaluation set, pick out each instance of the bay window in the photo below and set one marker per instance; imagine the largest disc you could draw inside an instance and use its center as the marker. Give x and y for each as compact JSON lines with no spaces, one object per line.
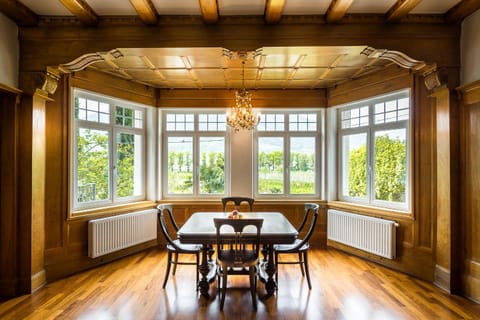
{"x":374,"y":157}
{"x":108,"y":151}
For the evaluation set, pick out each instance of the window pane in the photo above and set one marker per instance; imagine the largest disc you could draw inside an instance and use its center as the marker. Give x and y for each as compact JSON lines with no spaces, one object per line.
{"x":302,"y":165}
{"x":92,"y":165}
{"x":180,"y":122}
{"x":129,"y":165}
{"x":180,"y":166}
{"x":212,"y":166}
{"x":391,"y":165}
{"x":354,"y":165}
{"x":270,"y":165}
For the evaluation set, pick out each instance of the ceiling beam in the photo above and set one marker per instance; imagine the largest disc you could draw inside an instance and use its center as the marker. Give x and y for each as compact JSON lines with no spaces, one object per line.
{"x":82,"y":11}
{"x":337,"y":10}
{"x":462,"y":10}
{"x":400,"y":9}
{"x":18,"y":12}
{"x":209,"y":9}
{"x":146,"y":11}
{"x":274,"y":10}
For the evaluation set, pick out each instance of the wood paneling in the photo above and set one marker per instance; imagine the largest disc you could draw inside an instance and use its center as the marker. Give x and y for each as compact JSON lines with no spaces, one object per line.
{"x":470,"y":189}
{"x":45,"y":45}
{"x":9,"y":246}
{"x":184,"y":98}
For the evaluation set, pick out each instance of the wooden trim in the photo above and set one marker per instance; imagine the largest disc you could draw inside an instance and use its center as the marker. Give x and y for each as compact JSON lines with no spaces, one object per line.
{"x":462,"y":10}
{"x":146,"y":11}
{"x":400,"y":9}
{"x":470,"y":93}
{"x":110,"y":211}
{"x":274,"y":11}
{"x":81,"y":10}
{"x":371,"y":211}
{"x":442,"y":278}
{"x":209,"y":9}
{"x":38,"y":280}
{"x":113,"y":86}
{"x":10,"y":89}
{"x":337,"y":10}
{"x":390,"y":79}
{"x":18,"y":12}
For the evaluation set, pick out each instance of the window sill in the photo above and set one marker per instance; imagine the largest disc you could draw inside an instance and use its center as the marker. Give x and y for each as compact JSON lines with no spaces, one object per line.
{"x":89,"y":214}
{"x":371,"y":211}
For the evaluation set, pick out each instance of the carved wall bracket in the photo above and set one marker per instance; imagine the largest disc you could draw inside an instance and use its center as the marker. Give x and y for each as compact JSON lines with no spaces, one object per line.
{"x":50,"y":83}
{"x":428,"y":71}
{"x":87,"y":59}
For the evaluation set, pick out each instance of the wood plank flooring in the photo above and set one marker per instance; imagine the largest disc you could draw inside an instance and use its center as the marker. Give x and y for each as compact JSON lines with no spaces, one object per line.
{"x":344,"y":287}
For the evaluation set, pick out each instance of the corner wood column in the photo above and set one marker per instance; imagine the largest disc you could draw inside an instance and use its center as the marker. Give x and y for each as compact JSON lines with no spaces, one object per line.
{"x":443,"y":248}
{"x":31,"y":180}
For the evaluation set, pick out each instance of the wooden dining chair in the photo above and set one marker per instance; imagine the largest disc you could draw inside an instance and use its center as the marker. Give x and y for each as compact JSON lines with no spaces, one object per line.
{"x":237,"y":251}
{"x":237,"y":202}
{"x":174,"y":247}
{"x":300,"y":246}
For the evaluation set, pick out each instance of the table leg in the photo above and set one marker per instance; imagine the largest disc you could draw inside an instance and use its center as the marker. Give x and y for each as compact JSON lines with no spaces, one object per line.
{"x":204,"y":271}
{"x":270,"y":285}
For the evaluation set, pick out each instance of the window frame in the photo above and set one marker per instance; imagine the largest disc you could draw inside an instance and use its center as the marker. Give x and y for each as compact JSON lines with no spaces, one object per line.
{"x":370,"y":130}
{"x":195,"y":134}
{"x":113,"y":129}
{"x":286,"y":134}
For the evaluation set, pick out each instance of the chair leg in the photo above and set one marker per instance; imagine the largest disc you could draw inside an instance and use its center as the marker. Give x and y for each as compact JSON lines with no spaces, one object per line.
{"x":276,"y":268}
{"x":197,"y":264}
{"x":224,"y":288}
{"x":175,"y":264}
{"x":253,"y":287}
{"x":168,"y":269}
{"x":305,"y":254}
{"x":301,"y":261}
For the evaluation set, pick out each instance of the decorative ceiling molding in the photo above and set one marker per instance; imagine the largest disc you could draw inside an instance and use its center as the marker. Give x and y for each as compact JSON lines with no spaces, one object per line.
{"x":462,"y":10}
{"x":337,"y":10}
{"x":209,"y":9}
{"x":274,"y":11}
{"x":88,"y":59}
{"x":81,"y":10}
{"x":146,"y":11}
{"x":398,"y":57}
{"x":400,"y":9}
{"x":18,"y":12}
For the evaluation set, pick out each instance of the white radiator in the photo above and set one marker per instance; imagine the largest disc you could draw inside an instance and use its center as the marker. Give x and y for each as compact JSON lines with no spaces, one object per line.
{"x":111,"y":234}
{"x":366,"y":233}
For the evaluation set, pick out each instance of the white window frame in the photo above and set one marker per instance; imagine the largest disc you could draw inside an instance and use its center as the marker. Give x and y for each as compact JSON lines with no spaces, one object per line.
{"x":195,"y":134}
{"x":286,"y":134}
{"x":370,"y":131}
{"x":112,"y":130}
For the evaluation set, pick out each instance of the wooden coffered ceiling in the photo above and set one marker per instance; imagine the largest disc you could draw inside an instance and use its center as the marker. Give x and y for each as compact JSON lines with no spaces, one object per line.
{"x":212,"y":68}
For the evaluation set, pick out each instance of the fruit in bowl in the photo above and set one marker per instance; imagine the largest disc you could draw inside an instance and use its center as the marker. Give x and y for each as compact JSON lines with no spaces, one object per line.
{"x":235,"y":215}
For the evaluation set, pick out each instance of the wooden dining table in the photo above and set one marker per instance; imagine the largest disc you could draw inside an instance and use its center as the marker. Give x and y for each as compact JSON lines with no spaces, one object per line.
{"x":200,"y":229}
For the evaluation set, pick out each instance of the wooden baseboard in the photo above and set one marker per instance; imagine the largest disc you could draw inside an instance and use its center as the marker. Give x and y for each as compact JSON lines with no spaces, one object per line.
{"x":471,"y":280}
{"x":39,"y":279}
{"x":442,"y":278}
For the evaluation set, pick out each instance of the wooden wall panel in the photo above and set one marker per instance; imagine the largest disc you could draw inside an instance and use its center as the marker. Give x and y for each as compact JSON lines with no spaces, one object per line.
{"x":9,"y":246}
{"x":470,"y":190}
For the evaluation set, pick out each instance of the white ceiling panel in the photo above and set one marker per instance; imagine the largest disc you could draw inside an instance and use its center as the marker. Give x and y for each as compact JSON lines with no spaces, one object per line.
{"x":298,"y":7}
{"x":112,"y":7}
{"x":47,"y":7}
{"x":178,"y":7}
{"x":434,"y":6}
{"x":371,"y":6}
{"x":244,"y":7}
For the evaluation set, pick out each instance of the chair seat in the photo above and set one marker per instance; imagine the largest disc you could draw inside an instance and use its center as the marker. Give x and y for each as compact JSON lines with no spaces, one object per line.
{"x":229,"y":258}
{"x":184,"y":248}
{"x":287,"y":248}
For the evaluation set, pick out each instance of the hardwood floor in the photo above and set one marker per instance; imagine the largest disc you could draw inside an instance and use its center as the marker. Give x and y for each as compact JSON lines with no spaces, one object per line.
{"x":344,"y":287}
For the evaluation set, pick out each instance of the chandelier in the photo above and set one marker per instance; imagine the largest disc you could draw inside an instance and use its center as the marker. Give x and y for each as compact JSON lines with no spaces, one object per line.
{"x":241,"y":115}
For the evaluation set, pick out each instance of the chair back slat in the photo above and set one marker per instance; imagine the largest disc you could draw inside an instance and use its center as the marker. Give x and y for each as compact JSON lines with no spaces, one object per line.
{"x":237,"y":202}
